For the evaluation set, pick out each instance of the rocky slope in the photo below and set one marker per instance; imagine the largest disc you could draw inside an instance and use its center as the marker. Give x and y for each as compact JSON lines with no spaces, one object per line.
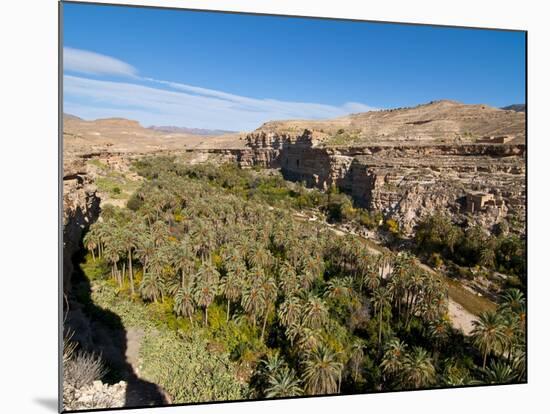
{"x":405,"y":167}
{"x":436,"y":122}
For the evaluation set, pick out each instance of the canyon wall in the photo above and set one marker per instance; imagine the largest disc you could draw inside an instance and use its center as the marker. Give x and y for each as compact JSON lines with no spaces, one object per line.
{"x":80,"y":209}
{"x":476,"y":183}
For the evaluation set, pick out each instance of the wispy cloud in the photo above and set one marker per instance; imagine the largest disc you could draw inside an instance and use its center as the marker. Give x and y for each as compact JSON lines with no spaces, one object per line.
{"x":177,"y":103}
{"x":91,"y":63}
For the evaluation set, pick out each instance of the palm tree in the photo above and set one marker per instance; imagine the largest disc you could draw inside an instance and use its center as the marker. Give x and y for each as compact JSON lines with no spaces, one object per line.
{"x":159,"y":232}
{"x":269,"y":295}
{"x":252,"y":301}
{"x":315,"y":312}
{"x":322,"y":370}
{"x":418,"y":369}
{"x":381,"y":300}
{"x":182,"y":259}
{"x":519,"y":362}
{"x":488,"y":333}
{"x":151,"y":286}
{"x":357,"y":354}
{"x":288,"y":279}
{"x":283,"y":383}
{"x":155,"y":275}
{"x":129,"y":242}
{"x":273,"y":362}
{"x":439,"y":332}
{"x":184,"y":304}
{"x":339,"y":288}
{"x":290,"y":311}
{"x":487,"y":256}
{"x":91,"y":241}
{"x":206,"y":287}
{"x":511,"y":331}
{"x":231,"y":286}
{"x":112,"y":255}
{"x":261,"y":258}
{"x":498,"y":373}
{"x":514,"y":300}
{"x":370,"y":279}
{"x":394,"y":357}
{"x":145,"y":250}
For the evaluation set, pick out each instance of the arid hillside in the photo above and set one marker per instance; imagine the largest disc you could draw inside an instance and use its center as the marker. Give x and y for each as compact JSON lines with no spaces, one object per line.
{"x":436,"y":122}
{"x":118,"y":135}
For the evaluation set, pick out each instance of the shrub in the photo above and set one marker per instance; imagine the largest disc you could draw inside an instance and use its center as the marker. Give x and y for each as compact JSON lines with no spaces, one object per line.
{"x":83,"y":368}
{"x":435,"y":260}
{"x":188,"y":369}
{"x":392,"y":226}
{"x":134,"y":203}
{"x":366,"y":220}
{"x":95,"y":269}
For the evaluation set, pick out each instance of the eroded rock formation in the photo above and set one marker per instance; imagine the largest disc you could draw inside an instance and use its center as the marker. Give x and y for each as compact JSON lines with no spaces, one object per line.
{"x":406,"y":181}
{"x":80,"y":209}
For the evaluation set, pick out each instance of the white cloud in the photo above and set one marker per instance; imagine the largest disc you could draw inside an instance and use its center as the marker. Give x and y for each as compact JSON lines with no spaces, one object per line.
{"x":176,"y":103}
{"x":200,"y":109}
{"x":91,"y":63}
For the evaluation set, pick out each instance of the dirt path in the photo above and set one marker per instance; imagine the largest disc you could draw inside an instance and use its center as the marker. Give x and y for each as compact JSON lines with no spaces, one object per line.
{"x":460,"y":317}
{"x":133,"y":344}
{"x":140,"y":391}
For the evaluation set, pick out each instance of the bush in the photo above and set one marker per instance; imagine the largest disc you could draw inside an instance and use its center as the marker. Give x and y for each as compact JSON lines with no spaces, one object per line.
{"x":95,"y":269}
{"x":82,"y":369}
{"x":188,"y":369}
{"x":392,"y":226}
{"x":366,"y":220}
{"x":435,"y":260}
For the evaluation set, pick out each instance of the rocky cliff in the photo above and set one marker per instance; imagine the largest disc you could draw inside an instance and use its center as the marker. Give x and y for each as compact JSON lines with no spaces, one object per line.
{"x":479,"y":183}
{"x":80,"y":209}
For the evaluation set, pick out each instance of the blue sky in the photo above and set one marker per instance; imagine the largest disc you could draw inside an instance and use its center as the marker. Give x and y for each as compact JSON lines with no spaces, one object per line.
{"x":230,"y":71}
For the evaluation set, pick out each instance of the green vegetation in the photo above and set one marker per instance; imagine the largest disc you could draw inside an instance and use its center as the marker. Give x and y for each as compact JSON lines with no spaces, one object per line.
{"x":188,"y":370}
{"x":471,"y":247}
{"x":113,"y":183}
{"x":240,"y":299}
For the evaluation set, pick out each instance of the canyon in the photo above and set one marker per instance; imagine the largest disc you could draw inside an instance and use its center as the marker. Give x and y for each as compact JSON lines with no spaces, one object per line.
{"x":465,"y":161}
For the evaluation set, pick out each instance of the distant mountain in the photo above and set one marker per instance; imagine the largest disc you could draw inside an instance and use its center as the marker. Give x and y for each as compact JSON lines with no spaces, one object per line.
{"x":191,"y":131}
{"x":69,"y":116}
{"x":515,"y":107}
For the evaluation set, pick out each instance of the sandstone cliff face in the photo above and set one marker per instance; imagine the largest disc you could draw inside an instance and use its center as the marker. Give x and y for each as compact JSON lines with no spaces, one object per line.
{"x":80,"y":209}
{"x":405,"y":181}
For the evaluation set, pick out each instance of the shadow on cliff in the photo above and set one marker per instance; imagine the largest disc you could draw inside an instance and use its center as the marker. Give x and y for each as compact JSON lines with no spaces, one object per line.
{"x":101,"y":331}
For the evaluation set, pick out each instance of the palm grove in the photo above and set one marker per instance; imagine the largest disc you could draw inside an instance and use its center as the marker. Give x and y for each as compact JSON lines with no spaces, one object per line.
{"x":313,"y":313}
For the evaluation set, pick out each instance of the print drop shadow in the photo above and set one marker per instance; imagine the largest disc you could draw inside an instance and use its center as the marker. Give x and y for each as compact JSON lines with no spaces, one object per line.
{"x":106,"y":336}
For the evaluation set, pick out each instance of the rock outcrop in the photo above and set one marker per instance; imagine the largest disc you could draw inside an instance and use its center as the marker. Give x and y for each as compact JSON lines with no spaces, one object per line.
{"x":406,"y":181}
{"x":94,"y":396}
{"x":80,"y":209}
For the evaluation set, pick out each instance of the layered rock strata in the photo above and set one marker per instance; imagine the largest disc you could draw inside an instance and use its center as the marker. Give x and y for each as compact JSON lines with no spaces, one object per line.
{"x":479,"y":183}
